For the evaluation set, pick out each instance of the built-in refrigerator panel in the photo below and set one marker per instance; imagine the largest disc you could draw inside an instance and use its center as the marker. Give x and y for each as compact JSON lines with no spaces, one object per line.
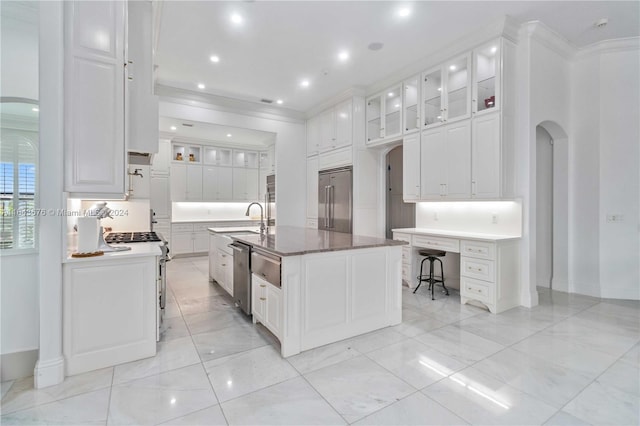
{"x":335,"y":198}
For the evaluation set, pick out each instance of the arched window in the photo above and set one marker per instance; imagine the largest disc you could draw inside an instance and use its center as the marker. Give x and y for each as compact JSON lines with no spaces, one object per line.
{"x":18,"y":175}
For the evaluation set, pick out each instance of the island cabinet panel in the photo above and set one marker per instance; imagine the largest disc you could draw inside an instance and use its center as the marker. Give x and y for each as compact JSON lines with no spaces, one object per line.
{"x":348,"y":293}
{"x":325,"y":293}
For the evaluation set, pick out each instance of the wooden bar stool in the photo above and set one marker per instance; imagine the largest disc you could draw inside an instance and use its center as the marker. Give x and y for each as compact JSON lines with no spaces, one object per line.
{"x":431,"y":256}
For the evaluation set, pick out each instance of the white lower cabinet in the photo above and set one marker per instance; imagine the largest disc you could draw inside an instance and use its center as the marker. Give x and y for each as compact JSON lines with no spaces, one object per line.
{"x":266,"y":305}
{"x":221,"y":262}
{"x":189,"y":238}
{"x":109,"y":312}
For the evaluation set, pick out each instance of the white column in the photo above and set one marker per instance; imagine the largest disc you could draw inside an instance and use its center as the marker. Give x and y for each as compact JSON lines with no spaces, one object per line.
{"x":50,"y":366}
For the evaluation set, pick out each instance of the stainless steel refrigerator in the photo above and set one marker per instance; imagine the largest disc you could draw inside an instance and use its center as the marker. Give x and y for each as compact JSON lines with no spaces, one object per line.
{"x":335,"y":195}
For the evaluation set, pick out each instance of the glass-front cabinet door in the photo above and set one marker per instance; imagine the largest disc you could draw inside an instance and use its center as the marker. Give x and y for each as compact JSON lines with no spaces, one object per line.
{"x":374,"y":119}
{"x":486,"y":78}
{"x":458,"y":84}
{"x":411,"y":104}
{"x":392,"y":125}
{"x":432,"y":106}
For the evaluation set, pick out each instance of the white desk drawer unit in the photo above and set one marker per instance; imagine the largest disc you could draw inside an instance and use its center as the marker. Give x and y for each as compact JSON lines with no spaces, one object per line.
{"x":478,"y":268}
{"x":438,"y":243}
{"x":476,"y":289}
{"x":479,"y":249}
{"x":406,"y":255}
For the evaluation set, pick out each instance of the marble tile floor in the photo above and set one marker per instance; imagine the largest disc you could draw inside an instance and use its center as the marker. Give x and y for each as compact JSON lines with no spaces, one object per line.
{"x":572,"y":360}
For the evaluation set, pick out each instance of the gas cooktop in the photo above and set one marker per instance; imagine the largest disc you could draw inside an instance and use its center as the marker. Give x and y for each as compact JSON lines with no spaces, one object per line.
{"x":131,"y":237}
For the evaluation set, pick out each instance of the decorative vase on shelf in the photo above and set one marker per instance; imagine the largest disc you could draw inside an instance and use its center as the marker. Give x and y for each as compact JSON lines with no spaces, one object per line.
{"x":192,"y":157}
{"x":179,"y":156}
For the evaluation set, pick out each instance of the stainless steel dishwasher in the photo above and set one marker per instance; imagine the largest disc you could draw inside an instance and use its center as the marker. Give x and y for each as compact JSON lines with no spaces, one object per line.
{"x":266,"y":266}
{"x":242,"y":276}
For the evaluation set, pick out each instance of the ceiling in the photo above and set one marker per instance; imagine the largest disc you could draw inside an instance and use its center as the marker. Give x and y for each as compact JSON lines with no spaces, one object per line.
{"x":279,"y":44}
{"x":215,"y":133}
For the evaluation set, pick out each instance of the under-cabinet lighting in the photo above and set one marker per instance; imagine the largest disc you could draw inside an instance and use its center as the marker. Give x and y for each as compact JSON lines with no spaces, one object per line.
{"x":215,"y":59}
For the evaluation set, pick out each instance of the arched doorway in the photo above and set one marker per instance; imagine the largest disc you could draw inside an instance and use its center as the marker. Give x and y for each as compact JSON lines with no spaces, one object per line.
{"x":550,"y":245}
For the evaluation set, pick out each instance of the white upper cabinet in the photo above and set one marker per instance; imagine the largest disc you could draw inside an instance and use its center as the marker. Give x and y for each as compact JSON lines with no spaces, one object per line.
{"x":217,"y":183}
{"x":215,"y":156}
{"x":486,"y":78}
{"x":178,"y":182}
{"x":95,"y":97}
{"x":485,"y":154}
{"x":446,"y":92}
{"x":248,"y":159}
{"x":245,"y":184}
{"x":183,"y":153}
{"x":327,"y":130}
{"x":162,"y":160}
{"x":194,"y":183}
{"x":143,"y":104}
{"x":411,"y":105}
{"x":384,"y":116}
{"x":160,"y":200}
{"x":458,"y":89}
{"x":343,"y":119}
{"x":411,"y":167}
{"x":267,"y":160}
{"x":313,"y":136}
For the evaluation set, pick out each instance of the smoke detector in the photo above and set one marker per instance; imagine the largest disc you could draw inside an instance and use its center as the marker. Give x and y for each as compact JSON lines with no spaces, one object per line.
{"x":601,"y":23}
{"x":375,"y":46}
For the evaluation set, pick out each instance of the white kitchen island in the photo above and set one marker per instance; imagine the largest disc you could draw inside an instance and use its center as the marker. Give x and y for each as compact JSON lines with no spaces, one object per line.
{"x":333,"y":286}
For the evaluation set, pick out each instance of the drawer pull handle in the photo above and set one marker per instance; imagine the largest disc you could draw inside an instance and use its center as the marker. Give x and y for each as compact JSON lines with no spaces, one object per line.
{"x":263,"y":298}
{"x":262,"y":285}
{"x":224,"y":264}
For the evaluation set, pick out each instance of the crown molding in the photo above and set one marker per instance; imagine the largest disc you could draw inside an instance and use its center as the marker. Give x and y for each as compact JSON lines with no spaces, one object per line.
{"x":627,"y":44}
{"x":226,"y":104}
{"x":220,"y":144}
{"x":328,"y":103}
{"x":504,"y":26}
{"x":544,"y":35}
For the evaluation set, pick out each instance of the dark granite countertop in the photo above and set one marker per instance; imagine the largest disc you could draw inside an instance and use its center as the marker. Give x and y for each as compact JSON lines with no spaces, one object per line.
{"x":293,"y":241}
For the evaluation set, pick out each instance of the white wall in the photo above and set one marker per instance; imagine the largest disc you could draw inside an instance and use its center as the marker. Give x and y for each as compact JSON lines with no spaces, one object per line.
{"x":290,"y":153}
{"x":605,"y":156}
{"x":544,"y":206}
{"x":471,"y":216}
{"x":19,"y":56}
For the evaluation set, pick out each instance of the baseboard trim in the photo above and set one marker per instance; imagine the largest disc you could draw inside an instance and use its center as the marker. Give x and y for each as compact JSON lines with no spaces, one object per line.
{"x":48,"y":373}
{"x":18,"y":365}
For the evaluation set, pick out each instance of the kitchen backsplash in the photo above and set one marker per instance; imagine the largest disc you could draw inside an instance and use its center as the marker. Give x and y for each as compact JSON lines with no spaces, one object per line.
{"x":490,"y":217}
{"x":127,"y":215}
{"x":212,"y":212}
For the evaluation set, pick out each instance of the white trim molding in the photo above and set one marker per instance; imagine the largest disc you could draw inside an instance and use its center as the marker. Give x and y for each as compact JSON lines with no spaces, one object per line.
{"x":538,"y":31}
{"x":226,"y":104}
{"x":610,"y":46}
{"x":48,"y":373}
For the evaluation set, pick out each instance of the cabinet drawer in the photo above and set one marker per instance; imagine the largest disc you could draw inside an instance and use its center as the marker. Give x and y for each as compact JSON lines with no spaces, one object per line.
{"x":406,"y":254}
{"x":479,"y":249}
{"x":202,"y":227}
{"x":182,"y":227}
{"x":402,"y":237}
{"x":446,"y":244}
{"x":479,"y":290}
{"x":477,"y":268}
{"x":406,"y":272}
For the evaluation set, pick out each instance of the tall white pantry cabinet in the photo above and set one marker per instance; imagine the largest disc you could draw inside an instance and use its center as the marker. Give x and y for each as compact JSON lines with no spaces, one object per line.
{"x":465,"y":148}
{"x":104,"y":89}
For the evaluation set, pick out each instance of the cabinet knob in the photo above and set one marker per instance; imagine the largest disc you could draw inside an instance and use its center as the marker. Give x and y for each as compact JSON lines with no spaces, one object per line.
{"x":263,"y":298}
{"x":262,"y":285}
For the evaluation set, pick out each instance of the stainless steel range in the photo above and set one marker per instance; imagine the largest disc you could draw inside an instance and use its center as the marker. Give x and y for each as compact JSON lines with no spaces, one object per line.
{"x":132,"y":237}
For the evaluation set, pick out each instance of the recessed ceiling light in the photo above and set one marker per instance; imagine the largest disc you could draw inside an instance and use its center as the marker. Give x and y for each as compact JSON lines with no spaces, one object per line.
{"x":215,"y":58}
{"x":304,"y":83}
{"x":279,"y":101}
{"x":200,"y":86}
{"x":453,"y":68}
{"x":174,"y":128}
{"x":397,"y":105}
{"x":403,"y":12}
{"x":494,"y":49}
{"x":390,"y":94}
{"x":35,"y":109}
{"x":343,"y":56}
{"x":229,"y":135}
{"x":236,"y":18}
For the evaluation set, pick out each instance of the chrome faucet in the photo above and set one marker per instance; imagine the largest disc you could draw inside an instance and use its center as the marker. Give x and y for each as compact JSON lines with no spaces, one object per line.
{"x":262,"y":226}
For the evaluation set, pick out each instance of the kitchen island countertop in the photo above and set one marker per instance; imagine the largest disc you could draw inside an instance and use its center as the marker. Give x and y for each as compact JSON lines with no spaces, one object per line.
{"x":294,"y":241}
